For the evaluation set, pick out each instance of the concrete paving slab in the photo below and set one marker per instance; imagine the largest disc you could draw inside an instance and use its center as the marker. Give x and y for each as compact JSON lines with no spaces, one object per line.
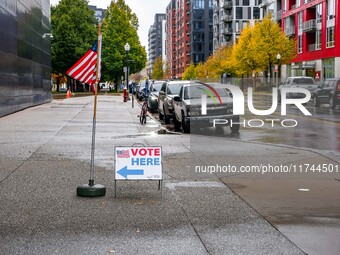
{"x":41,"y":214}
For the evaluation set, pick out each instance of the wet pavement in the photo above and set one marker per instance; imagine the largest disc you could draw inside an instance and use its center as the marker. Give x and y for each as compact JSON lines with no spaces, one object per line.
{"x":45,"y":155}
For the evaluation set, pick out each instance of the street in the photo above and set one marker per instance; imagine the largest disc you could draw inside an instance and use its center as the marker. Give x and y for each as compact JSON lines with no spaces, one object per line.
{"x":45,"y":155}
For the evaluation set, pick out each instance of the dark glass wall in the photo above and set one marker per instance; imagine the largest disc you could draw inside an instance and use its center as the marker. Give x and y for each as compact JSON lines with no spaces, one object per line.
{"x":25,"y":56}
{"x":201,"y":25}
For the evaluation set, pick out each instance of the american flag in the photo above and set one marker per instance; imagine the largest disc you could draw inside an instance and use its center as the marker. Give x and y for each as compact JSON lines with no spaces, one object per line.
{"x":123,"y":154}
{"x":85,"y":68}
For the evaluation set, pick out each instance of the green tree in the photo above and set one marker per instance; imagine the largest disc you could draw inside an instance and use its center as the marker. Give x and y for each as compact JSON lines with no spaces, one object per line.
{"x":190,"y":72}
{"x":120,"y":27}
{"x":157,"y":69}
{"x":74,"y":30}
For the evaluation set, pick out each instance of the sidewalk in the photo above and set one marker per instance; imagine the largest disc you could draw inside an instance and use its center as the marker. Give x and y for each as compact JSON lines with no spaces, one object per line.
{"x":45,"y":155}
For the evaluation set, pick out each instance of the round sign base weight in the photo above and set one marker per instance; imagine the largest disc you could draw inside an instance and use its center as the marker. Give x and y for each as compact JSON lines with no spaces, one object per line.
{"x":86,"y":190}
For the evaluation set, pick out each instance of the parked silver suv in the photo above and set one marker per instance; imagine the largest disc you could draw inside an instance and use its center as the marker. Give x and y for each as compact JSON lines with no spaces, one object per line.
{"x":165,"y":99}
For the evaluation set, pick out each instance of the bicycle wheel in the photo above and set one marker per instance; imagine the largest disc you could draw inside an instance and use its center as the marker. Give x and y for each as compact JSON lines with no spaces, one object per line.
{"x":144,"y":119}
{"x":141,"y":117}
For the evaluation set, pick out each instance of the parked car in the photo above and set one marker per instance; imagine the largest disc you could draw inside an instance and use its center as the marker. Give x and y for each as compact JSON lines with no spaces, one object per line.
{"x":155,"y":87}
{"x":188,"y":107}
{"x":327,"y":93}
{"x":298,"y":82}
{"x":166,"y":94}
{"x":142,"y":89}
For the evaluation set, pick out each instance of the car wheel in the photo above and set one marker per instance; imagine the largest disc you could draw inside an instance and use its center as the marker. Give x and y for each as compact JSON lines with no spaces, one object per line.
{"x":332,"y":103}
{"x":185,"y":127}
{"x":177,"y":124}
{"x":219,"y":130}
{"x":235,"y":128}
{"x":166,"y":117}
{"x":316,"y":101}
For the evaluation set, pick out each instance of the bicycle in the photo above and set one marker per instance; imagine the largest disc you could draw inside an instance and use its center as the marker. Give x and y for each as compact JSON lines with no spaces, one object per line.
{"x":144,"y":111}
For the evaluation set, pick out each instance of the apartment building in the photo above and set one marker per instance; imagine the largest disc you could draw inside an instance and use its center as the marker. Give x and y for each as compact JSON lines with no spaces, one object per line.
{"x":99,"y":13}
{"x":189,"y":33}
{"x":156,"y":40}
{"x":231,"y":16}
{"x":315,"y":26}
{"x":170,"y":42}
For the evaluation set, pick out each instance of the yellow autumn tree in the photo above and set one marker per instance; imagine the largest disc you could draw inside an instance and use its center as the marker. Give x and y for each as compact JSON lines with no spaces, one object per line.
{"x":157,"y":69}
{"x":220,"y":62}
{"x":271,"y":40}
{"x":201,"y":71}
{"x":190,"y":72}
{"x":246,"y":55}
{"x":258,"y":46}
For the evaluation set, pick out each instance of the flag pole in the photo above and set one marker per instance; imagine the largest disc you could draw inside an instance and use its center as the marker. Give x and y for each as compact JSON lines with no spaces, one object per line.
{"x":91,"y":189}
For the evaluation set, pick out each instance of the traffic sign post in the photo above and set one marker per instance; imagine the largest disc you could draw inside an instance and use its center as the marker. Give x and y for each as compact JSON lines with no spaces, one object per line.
{"x":138,"y":163}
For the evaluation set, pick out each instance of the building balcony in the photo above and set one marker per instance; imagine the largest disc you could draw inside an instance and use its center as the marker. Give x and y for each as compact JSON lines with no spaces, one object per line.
{"x":227,"y":18}
{"x":309,"y":25}
{"x":289,"y":31}
{"x":216,"y":9}
{"x":279,"y":15}
{"x":265,"y":3}
{"x":227,"y":4}
{"x":227,"y":31}
{"x":312,"y":47}
{"x":216,"y":22}
{"x":227,"y":44}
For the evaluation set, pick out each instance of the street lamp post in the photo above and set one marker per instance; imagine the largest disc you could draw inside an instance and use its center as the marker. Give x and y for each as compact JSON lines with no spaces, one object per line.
{"x":278,"y":57}
{"x":127,"y":49}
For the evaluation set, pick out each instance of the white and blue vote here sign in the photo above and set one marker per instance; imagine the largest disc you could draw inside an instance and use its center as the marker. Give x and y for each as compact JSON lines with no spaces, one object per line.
{"x":138,"y":163}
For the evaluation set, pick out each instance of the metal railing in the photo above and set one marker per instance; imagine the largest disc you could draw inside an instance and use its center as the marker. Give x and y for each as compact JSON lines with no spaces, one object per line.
{"x":312,"y":47}
{"x":227,"y":30}
{"x":309,"y":25}
{"x":227,"y":4}
{"x":290,"y":30}
{"x":226,"y":17}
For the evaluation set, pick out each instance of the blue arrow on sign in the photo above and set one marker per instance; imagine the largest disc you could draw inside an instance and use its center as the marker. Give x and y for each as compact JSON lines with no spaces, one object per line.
{"x":125,"y":172}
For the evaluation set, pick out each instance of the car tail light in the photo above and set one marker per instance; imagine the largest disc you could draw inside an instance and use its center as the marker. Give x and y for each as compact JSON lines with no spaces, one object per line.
{"x":338,"y":86}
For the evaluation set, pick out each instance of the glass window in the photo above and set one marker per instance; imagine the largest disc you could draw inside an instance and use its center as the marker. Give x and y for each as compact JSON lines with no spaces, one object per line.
{"x":328,"y":67}
{"x":245,"y":2}
{"x":238,"y":12}
{"x":330,"y":9}
{"x":256,"y":12}
{"x":300,"y":20}
{"x":319,"y":13}
{"x":318,"y":40}
{"x":330,"y":37}
{"x":299,"y":44}
{"x":237,"y":26}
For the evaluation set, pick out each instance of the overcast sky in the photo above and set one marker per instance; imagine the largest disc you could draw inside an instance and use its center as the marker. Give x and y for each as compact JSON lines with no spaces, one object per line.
{"x":144,"y":9}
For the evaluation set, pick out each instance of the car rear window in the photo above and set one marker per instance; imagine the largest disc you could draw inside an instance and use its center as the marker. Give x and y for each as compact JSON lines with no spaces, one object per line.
{"x":174,"y":88}
{"x":303,"y":81}
{"x":192,"y":92}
